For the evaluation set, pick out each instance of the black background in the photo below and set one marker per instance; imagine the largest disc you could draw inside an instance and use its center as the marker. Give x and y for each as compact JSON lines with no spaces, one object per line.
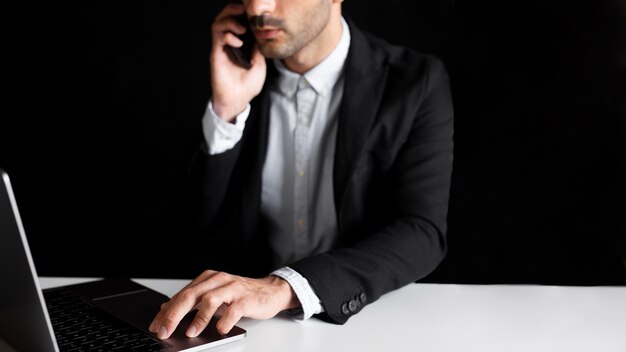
{"x":105,"y":98}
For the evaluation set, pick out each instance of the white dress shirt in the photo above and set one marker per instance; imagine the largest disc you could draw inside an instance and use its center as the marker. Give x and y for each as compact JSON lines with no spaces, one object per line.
{"x":297,"y":188}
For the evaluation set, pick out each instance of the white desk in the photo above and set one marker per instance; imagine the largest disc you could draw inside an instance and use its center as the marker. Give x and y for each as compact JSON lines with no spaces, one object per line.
{"x":450,"y":318}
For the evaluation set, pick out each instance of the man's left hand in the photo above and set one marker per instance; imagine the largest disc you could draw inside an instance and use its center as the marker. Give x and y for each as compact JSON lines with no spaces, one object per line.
{"x":235,"y":296}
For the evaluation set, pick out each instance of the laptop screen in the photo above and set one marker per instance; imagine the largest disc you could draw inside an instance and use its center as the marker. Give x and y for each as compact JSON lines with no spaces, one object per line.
{"x":110,"y":313}
{"x":25,"y":324}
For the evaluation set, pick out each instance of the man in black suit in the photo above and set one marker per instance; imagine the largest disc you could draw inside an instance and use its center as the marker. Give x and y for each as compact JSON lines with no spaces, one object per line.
{"x":324,"y":173}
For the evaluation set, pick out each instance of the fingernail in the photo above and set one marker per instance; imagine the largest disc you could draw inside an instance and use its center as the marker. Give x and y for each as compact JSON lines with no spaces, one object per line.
{"x":191,"y":332}
{"x":153,"y":326}
{"x":162,"y":332}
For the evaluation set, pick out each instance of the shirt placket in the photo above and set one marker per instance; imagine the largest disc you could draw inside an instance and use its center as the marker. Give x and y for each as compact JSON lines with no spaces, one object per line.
{"x":305,"y":100}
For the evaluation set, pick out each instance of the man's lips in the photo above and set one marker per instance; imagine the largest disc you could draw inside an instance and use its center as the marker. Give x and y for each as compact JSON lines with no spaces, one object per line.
{"x":266,"y":33}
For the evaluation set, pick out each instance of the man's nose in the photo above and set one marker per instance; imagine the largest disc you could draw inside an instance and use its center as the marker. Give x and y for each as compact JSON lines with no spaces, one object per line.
{"x":258,"y":7}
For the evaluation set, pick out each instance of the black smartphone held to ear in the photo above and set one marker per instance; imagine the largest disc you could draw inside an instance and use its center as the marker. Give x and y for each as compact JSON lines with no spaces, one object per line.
{"x":242,"y":56}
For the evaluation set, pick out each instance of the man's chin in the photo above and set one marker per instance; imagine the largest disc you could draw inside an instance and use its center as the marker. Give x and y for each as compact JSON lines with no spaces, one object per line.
{"x":274,"y":50}
{"x":272,"y":54}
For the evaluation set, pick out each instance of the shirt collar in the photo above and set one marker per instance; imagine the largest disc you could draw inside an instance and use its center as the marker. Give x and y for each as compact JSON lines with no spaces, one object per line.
{"x":321,"y":78}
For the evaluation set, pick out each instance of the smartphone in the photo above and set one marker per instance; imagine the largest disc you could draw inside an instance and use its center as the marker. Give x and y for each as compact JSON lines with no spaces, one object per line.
{"x":242,"y":56}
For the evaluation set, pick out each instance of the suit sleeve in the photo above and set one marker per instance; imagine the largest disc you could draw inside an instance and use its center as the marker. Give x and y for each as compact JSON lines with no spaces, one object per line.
{"x":209,"y":178}
{"x":212,"y":165}
{"x":412,"y":243}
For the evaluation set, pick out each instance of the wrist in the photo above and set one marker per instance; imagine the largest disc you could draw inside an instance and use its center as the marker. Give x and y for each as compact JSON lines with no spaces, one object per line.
{"x":225,"y":112}
{"x":288,"y":297}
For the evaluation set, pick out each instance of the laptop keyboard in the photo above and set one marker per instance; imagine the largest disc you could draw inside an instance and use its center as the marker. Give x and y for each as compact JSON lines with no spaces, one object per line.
{"x":80,"y":326}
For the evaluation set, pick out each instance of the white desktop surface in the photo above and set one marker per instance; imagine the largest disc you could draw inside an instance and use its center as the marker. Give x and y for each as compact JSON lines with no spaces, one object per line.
{"x":450,"y":318}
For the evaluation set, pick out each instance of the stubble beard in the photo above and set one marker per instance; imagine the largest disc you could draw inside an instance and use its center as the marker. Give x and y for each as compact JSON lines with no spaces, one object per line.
{"x":295,"y":40}
{"x":273,"y":49}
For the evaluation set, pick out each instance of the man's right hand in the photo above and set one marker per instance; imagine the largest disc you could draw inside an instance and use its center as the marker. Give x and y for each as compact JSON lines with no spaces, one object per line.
{"x":233,"y":87}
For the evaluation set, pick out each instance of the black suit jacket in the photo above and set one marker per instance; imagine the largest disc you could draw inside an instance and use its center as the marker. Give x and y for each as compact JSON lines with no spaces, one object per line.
{"x":392,"y":171}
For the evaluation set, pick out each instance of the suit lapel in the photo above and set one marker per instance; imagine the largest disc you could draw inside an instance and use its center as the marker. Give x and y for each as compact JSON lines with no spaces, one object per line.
{"x":364,"y":86}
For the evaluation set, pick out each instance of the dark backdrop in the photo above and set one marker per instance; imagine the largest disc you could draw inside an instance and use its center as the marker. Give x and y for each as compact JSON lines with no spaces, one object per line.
{"x":105,"y":97}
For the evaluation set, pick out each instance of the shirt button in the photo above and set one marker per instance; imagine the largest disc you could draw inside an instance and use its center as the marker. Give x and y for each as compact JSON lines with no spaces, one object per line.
{"x":301,"y":173}
{"x":304,"y":120}
{"x":301,"y":222}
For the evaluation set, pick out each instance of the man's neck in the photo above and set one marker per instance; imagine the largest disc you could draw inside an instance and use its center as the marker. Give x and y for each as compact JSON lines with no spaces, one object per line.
{"x":316,"y":51}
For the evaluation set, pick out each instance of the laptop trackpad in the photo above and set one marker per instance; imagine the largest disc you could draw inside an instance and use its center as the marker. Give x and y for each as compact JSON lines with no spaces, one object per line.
{"x":124,"y":305}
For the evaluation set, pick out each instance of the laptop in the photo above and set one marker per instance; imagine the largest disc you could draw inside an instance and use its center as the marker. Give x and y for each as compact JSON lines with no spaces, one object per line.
{"x":102,"y":315}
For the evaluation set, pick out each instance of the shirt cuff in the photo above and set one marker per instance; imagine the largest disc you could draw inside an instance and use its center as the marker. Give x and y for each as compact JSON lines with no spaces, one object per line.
{"x":220,"y":135}
{"x":311,"y":304}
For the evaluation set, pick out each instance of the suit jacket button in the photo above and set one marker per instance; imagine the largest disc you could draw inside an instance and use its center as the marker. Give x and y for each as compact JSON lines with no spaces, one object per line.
{"x":344,"y":309}
{"x":363,"y":297}
{"x":352,"y":305}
